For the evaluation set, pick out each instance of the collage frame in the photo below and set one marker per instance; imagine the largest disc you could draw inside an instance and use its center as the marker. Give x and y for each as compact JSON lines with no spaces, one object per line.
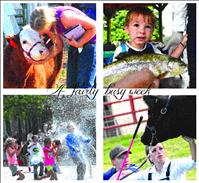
{"x":98,"y":93}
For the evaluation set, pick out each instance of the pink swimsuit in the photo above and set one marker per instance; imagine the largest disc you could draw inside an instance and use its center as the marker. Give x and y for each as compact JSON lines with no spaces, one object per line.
{"x":48,"y":156}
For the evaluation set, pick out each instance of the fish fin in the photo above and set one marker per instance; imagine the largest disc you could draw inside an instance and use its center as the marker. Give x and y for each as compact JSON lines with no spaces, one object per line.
{"x":161,"y":76}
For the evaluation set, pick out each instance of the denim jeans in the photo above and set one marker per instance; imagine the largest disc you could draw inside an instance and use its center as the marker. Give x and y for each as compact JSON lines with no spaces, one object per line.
{"x":81,"y":165}
{"x":41,"y":165}
{"x":81,"y":70}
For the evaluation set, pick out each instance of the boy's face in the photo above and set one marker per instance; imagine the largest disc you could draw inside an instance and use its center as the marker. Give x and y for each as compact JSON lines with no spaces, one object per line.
{"x":117,"y":162}
{"x":139,"y":31}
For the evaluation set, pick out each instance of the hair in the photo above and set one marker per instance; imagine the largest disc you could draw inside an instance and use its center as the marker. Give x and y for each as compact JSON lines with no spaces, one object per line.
{"x":136,"y":11}
{"x":34,"y":137}
{"x":57,"y":142}
{"x":41,"y":17}
{"x":8,"y":142}
{"x":46,"y":141}
{"x":147,"y":149}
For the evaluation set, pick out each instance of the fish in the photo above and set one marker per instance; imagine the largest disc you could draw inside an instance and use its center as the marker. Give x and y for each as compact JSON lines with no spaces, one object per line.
{"x":162,"y":66}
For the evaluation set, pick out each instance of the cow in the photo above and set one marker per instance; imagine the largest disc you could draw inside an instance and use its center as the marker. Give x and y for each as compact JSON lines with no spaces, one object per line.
{"x":169,"y":117}
{"x":25,"y":65}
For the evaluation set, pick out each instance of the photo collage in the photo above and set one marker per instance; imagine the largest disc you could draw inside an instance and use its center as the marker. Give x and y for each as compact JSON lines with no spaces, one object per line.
{"x":66,"y":66}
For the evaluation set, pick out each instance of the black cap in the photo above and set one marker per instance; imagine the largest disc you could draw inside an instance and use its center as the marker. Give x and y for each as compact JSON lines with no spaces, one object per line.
{"x":117,"y":151}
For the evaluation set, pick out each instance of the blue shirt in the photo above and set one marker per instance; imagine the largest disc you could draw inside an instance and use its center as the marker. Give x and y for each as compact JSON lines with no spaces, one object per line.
{"x":74,"y":141}
{"x":107,"y":175}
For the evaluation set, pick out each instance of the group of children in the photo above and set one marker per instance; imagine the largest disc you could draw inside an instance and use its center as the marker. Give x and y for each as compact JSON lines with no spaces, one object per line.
{"x":38,"y":157}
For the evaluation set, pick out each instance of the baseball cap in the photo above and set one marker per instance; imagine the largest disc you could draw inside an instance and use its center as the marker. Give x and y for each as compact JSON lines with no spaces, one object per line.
{"x":117,"y":151}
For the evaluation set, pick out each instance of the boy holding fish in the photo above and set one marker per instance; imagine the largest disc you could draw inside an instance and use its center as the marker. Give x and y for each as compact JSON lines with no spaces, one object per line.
{"x":139,"y":25}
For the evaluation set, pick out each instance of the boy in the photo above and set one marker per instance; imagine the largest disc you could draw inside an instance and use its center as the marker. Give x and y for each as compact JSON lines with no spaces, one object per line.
{"x":74,"y":141}
{"x":139,"y":25}
{"x":36,"y":156}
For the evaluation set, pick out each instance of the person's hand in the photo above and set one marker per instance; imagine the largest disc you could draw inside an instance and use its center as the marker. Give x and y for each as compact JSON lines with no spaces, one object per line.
{"x":138,"y":79}
{"x":173,"y":42}
{"x":73,"y":43}
{"x":188,"y":139}
{"x":77,"y":150}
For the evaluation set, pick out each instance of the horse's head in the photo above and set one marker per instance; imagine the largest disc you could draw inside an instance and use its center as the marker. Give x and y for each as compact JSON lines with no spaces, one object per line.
{"x":157,"y":129}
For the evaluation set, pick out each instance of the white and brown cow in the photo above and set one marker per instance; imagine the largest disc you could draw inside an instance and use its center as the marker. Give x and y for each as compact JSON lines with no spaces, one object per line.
{"x":25,"y":65}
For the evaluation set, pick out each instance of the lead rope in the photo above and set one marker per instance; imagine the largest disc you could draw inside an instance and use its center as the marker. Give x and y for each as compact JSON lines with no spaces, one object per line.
{"x":131,"y":144}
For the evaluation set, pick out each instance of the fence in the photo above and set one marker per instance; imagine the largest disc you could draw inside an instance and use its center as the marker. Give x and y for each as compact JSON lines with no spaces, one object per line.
{"x":112,"y":126}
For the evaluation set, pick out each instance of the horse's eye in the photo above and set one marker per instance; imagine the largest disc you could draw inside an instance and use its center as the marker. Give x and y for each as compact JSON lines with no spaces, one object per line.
{"x":24,"y":42}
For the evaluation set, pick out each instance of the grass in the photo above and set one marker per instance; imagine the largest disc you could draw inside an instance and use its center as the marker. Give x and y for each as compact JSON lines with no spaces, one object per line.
{"x":175,"y":148}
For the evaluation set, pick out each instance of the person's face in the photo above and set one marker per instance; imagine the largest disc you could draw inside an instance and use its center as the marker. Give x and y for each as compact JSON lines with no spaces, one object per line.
{"x":35,"y":139}
{"x":157,"y":154}
{"x":139,"y":31}
{"x":45,"y":30}
{"x":13,"y":145}
{"x":49,"y":143}
{"x":117,"y":162}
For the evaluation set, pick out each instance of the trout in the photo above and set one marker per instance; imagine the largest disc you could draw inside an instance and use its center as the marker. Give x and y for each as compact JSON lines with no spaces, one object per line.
{"x":162,"y":66}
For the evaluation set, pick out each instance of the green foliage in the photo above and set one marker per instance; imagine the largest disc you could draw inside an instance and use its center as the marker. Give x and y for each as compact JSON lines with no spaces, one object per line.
{"x":175,"y":148}
{"x":22,"y":104}
{"x":117,"y":26}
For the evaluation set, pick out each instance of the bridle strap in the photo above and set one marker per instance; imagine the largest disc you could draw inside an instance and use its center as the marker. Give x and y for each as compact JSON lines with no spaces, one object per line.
{"x":28,"y":52}
{"x":163,"y":111}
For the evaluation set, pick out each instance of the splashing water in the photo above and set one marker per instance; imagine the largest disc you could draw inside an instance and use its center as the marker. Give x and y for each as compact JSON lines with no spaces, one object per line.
{"x":82,"y":112}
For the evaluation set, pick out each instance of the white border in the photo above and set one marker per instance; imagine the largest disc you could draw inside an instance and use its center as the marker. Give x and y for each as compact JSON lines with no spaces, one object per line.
{"x":99,"y":56}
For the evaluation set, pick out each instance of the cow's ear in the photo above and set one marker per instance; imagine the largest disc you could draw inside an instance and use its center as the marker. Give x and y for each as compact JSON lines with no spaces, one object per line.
{"x":11,"y":41}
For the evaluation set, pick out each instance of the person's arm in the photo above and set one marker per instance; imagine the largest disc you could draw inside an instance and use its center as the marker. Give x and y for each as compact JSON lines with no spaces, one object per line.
{"x":11,"y":153}
{"x":177,"y":52}
{"x":71,"y":19}
{"x":19,"y":150}
{"x":192,"y":146}
{"x":57,"y":45}
{"x":138,"y":79}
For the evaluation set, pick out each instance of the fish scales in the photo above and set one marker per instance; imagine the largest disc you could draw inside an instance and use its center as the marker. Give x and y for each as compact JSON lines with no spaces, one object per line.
{"x":157,"y":63}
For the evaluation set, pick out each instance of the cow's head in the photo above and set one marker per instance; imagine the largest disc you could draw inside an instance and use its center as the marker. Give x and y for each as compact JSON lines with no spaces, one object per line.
{"x":158,"y":124}
{"x":32,"y":44}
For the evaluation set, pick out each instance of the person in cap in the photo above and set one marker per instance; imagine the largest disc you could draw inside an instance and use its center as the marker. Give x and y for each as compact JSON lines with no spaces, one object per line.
{"x":117,"y":155}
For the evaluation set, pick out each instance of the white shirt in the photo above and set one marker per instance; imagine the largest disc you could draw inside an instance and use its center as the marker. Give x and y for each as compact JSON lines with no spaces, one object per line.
{"x":179,"y":16}
{"x":39,"y":156}
{"x":177,"y":170}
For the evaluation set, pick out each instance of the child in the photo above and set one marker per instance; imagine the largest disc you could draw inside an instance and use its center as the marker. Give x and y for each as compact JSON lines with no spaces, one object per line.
{"x":12,"y":151}
{"x":49,"y":160}
{"x":36,"y":157}
{"x":74,"y":140}
{"x":139,"y":25}
{"x":56,"y":150}
{"x":81,"y":55}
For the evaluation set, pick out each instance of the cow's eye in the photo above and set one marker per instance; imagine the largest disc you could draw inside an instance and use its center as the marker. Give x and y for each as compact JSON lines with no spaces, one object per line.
{"x":24,"y":42}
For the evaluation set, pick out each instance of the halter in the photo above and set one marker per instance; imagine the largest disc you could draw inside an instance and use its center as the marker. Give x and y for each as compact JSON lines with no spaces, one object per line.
{"x":163,"y":112}
{"x":28,"y":52}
